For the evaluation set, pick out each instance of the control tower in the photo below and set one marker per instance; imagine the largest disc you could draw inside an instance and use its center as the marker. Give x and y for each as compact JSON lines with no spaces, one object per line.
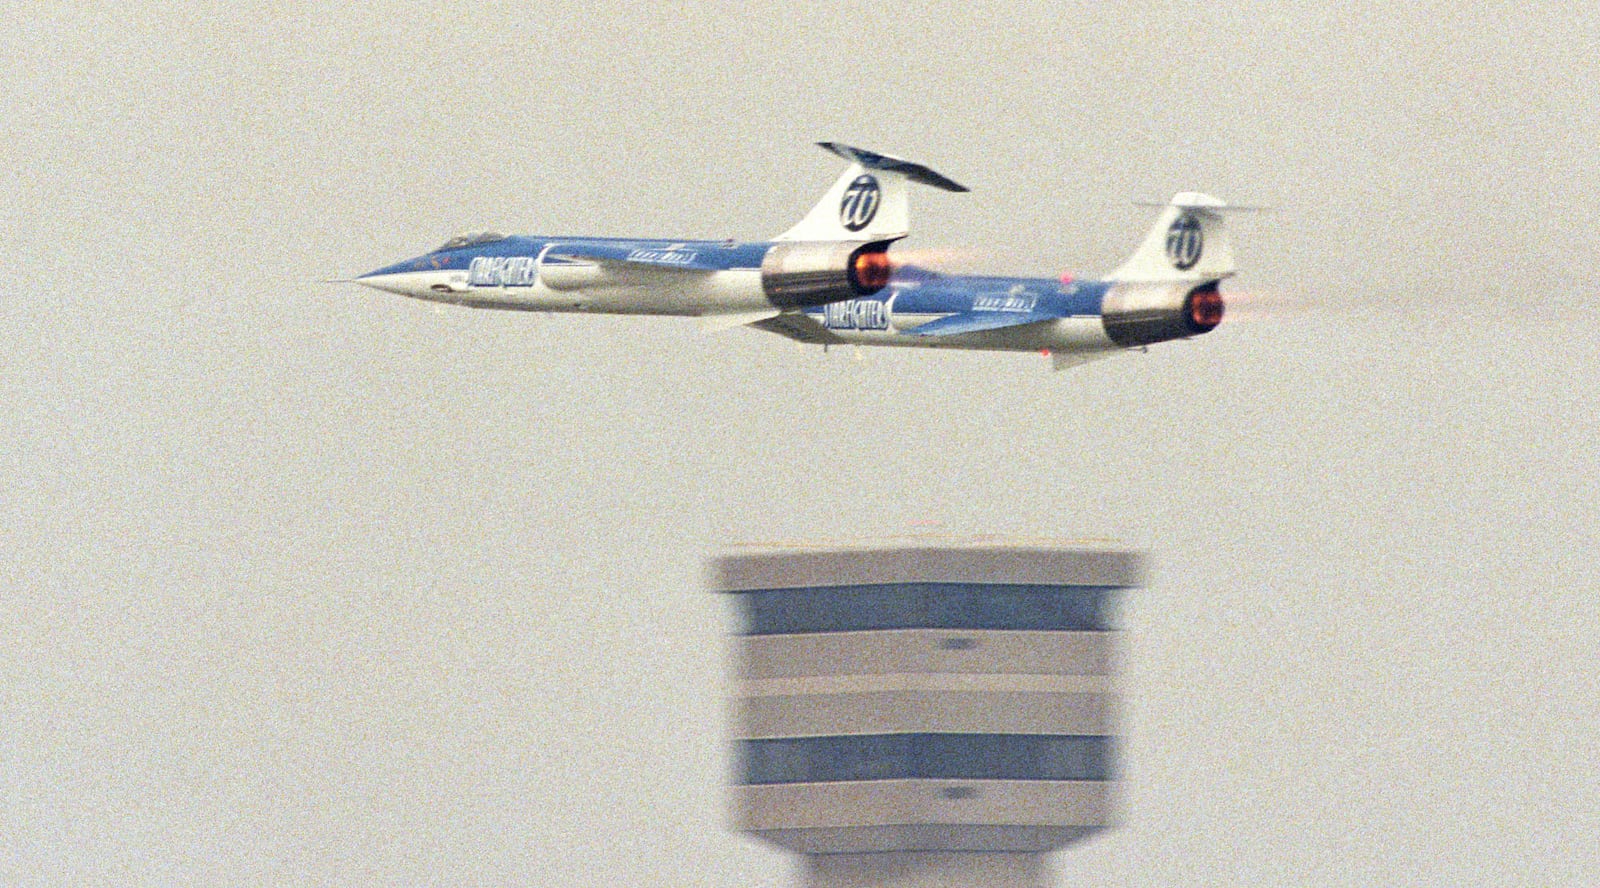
{"x":925,"y":715}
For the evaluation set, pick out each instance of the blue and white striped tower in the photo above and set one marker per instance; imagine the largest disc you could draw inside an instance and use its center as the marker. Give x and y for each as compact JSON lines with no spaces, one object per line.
{"x":925,"y":715}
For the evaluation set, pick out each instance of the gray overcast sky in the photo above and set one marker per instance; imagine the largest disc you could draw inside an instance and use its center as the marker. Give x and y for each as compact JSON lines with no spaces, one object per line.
{"x":305,"y":585}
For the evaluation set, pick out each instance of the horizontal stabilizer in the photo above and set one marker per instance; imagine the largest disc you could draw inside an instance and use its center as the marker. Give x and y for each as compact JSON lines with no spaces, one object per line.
{"x":978,"y":321}
{"x":867,"y":203}
{"x":872,"y":160}
{"x":1194,"y":200}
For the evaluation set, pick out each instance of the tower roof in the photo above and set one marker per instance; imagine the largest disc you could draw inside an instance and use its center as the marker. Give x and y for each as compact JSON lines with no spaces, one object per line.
{"x":995,"y":560}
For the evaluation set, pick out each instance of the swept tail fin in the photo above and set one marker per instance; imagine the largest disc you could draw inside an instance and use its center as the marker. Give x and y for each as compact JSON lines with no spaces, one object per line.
{"x":1189,"y":242}
{"x":868,"y":202}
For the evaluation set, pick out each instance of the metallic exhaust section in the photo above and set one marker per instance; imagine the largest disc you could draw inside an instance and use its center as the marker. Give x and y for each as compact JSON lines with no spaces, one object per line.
{"x":1142,"y":314}
{"x":803,"y":273}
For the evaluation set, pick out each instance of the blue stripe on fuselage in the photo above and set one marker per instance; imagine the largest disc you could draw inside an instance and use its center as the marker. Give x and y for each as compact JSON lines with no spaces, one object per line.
{"x":917,"y":291}
{"x":718,"y":255}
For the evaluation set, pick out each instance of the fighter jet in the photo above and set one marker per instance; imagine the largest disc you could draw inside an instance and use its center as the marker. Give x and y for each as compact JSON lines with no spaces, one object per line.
{"x":830,"y":280}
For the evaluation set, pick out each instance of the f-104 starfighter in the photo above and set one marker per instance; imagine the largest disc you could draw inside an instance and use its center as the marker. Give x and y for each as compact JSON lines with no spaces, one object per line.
{"x":830,"y":279}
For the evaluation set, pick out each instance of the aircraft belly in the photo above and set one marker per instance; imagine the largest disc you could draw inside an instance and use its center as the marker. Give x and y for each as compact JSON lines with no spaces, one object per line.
{"x":1081,"y":334}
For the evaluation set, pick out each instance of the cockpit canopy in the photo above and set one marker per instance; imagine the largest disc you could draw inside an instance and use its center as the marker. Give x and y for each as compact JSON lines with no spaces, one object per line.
{"x":470,"y":239}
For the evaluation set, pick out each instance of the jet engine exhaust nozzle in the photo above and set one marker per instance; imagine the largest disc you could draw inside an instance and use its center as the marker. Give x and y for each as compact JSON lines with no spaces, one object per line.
{"x":1205,"y":308}
{"x":1143,"y":314}
{"x":799,"y":274}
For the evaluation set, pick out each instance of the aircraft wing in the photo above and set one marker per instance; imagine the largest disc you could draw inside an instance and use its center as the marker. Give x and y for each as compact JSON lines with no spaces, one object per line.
{"x":799,"y":327}
{"x":977,"y":321}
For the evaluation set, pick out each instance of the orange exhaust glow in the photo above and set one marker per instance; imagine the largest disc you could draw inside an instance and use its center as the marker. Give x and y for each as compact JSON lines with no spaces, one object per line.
{"x":871,"y":270}
{"x":1205,"y":309}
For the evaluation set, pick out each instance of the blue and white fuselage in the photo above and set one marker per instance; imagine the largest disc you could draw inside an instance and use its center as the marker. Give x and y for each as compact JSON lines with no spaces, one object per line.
{"x":921,"y":308}
{"x":829,"y":280}
{"x":657,"y":277}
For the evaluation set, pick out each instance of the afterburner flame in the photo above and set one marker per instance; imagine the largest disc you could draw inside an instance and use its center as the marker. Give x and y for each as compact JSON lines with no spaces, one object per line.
{"x":871,"y":270}
{"x":1205,"y":309}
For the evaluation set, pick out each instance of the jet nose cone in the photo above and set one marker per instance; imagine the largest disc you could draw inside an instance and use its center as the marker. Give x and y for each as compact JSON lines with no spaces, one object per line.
{"x":386,"y":281}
